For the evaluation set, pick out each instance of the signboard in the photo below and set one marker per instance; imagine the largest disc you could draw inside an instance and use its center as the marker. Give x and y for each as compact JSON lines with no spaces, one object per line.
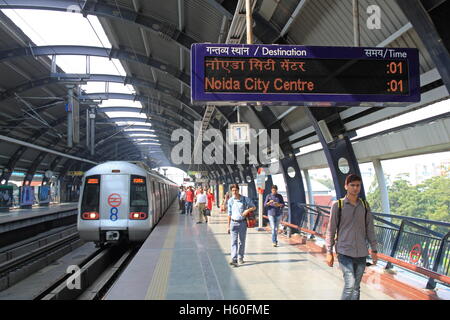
{"x":415,"y":253}
{"x":261,"y":179}
{"x":239,"y":133}
{"x":245,"y":73}
{"x":75,"y":173}
{"x":114,"y":200}
{"x":48,"y":174}
{"x":187,"y":179}
{"x":195,"y":173}
{"x":44,"y":194}
{"x":26,"y":196}
{"x":6,"y":196}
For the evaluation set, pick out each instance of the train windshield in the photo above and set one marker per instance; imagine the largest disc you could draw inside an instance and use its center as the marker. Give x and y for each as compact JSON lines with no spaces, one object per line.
{"x":138,"y":192}
{"x":91,"y":194}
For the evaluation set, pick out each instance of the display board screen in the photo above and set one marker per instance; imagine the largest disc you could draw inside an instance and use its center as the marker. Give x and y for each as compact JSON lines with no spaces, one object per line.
{"x":297,"y":73}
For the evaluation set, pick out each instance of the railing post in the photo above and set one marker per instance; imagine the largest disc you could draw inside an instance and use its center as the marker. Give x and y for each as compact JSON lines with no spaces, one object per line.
{"x":316,"y":223}
{"x":439,"y":258}
{"x":395,"y":246}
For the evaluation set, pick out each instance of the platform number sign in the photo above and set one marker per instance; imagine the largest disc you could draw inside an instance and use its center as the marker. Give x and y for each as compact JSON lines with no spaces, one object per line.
{"x":239,"y":133}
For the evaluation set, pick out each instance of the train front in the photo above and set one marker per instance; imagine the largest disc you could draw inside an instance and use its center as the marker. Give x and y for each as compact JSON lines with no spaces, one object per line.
{"x":114,"y":204}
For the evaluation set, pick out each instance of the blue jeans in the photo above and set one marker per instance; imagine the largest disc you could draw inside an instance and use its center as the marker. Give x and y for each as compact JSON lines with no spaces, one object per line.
{"x":188,"y":206}
{"x":274,"y":223}
{"x":238,"y":231}
{"x":353,"y":270}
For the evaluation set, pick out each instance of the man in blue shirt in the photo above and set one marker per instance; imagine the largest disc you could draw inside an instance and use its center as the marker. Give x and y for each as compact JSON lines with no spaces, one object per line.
{"x":238,"y":207}
{"x":274,"y":204}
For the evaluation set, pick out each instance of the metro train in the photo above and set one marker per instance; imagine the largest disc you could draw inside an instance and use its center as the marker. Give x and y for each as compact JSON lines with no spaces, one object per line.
{"x":122,"y":201}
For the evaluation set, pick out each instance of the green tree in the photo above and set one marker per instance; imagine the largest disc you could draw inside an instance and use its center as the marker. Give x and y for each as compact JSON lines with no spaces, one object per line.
{"x":428,"y":200}
{"x":327,"y":183}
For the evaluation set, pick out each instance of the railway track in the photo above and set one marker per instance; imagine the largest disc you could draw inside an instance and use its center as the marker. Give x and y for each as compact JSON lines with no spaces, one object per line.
{"x":93,"y":277}
{"x":23,"y":259}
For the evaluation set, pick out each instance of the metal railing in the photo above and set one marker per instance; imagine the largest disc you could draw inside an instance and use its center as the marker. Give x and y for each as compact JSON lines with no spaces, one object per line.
{"x":419,"y":245}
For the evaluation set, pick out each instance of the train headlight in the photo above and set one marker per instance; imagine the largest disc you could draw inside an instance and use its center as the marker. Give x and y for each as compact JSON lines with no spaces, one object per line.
{"x":138,"y":215}
{"x":90,"y":215}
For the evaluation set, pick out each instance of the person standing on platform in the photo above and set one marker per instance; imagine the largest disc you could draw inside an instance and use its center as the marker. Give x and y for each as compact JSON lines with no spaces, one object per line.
{"x":239,"y":207}
{"x":352,"y":221}
{"x":200,"y":202}
{"x":182,"y":199}
{"x":189,"y":200}
{"x":211,"y":199}
{"x":274,"y":203}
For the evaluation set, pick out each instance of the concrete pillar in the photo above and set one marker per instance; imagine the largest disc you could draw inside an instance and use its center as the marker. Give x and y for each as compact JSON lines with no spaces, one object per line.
{"x":308,"y":186}
{"x":70,"y":117}
{"x":382,"y":185}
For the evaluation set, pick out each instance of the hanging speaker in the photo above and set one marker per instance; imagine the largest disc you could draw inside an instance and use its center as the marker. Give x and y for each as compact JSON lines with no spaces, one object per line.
{"x":325,"y":131}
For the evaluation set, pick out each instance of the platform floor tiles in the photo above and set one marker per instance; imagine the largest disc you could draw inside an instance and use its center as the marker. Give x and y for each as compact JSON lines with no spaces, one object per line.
{"x":185,"y":260}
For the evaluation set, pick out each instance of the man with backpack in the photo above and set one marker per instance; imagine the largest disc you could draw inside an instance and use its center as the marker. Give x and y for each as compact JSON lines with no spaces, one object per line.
{"x":352,"y":221}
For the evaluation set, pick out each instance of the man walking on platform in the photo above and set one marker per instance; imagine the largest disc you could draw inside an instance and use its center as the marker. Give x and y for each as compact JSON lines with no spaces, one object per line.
{"x":352,"y":221}
{"x":200,"y":203}
{"x":239,"y":207}
{"x":189,"y":200}
{"x":274,"y":203}
{"x":182,"y":199}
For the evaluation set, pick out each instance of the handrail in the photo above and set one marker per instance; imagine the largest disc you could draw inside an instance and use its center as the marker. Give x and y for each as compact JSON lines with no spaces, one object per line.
{"x":439,"y":223}
{"x":438,"y":259}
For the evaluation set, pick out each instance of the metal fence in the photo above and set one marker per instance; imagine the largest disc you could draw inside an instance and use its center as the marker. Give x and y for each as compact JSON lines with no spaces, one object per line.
{"x":418,"y":242}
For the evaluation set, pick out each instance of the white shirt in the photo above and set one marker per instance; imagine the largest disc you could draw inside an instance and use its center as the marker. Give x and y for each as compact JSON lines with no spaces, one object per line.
{"x":201,"y":198}
{"x":183,"y":195}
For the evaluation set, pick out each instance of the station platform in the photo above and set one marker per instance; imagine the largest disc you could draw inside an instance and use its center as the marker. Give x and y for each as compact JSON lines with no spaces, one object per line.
{"x":182,"y":260}
{"x":22,"y":214}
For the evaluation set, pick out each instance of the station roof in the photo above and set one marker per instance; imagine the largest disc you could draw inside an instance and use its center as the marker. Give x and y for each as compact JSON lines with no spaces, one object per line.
{"x":152,"y":40}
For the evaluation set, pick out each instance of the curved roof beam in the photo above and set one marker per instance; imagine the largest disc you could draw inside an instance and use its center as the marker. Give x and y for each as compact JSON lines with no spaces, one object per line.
{"x":133,"y":97}
{"x":143,"y":111}
{"x":63,"y":77}
{"x":112,"y":53}
{"x":107,"y":11}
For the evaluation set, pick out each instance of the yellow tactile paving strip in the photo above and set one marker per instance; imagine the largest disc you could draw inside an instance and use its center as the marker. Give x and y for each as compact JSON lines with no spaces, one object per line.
{"x":158,"y":286}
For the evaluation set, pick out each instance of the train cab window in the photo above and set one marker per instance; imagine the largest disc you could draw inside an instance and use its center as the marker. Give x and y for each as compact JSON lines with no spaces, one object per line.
{"x":138,"y":192}
{"x":91,"y":194}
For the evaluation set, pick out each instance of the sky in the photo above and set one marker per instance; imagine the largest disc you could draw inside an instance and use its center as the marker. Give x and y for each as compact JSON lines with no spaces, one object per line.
{"x":74,"y":29}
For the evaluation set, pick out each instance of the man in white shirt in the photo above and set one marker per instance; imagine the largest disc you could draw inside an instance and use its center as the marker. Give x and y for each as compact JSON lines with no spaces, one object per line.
{"x":200,"y":203}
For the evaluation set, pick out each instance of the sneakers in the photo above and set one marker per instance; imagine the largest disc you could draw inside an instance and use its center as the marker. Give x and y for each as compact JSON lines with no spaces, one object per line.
{"x":275,"y":244}
{"x":199,"y":222}
{"x":233,"y":263}
{"x":241,"y":261}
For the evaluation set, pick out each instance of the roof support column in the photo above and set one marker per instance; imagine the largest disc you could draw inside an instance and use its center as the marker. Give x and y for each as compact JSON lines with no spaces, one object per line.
{"x":250,"y":183}
{"x":308,"y":186}
{"x":69,"y":117}
{"x":339,"y":154}
{"x":289,"y":165}
{"x":382,"y":185}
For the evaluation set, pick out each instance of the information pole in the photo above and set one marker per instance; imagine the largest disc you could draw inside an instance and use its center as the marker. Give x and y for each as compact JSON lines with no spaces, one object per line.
{"x":260,"y":184}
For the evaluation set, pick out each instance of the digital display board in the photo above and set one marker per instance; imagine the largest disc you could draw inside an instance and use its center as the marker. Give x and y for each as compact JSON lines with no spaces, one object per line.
{"x":245,"y":73}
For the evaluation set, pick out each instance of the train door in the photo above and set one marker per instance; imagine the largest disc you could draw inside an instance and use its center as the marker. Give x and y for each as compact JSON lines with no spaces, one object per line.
{"x":165,"y":196}
{"x":161,"y":199}
{"x":114,"y":201}
{"x":155,"y":201}
{"x":151,"y":204}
